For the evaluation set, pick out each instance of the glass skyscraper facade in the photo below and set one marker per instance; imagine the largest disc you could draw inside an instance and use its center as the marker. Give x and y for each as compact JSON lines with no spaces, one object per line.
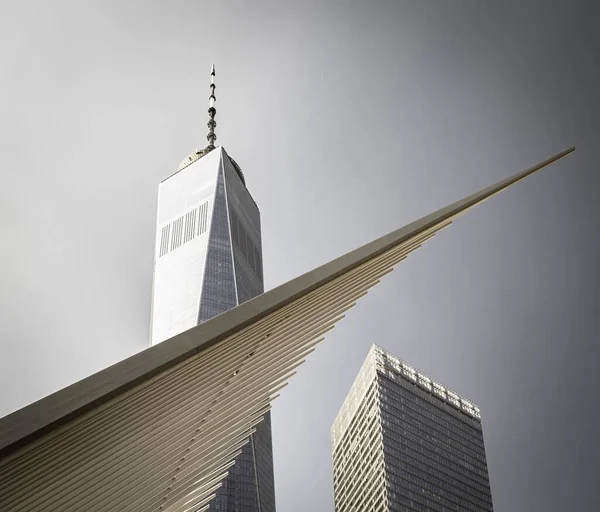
{"x":403,"y":442}
{"x":208,"y":259}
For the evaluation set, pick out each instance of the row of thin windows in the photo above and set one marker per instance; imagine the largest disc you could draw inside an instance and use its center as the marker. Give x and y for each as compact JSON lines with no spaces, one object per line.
{"x":183,"y":229}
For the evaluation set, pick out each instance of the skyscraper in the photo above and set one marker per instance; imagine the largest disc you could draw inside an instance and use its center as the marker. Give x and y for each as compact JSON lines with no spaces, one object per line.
{"x":208,"y":259}
{"x":402,"y":441}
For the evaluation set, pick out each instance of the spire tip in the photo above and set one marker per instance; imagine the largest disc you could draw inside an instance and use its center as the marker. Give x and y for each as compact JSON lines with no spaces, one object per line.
{"x":212,"y":111}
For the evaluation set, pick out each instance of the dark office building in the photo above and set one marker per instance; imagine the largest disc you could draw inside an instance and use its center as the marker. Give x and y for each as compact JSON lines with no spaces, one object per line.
{"x":403,"y":442}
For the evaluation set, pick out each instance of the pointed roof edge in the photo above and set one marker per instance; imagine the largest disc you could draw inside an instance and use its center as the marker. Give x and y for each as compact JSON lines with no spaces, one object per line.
{"x":33,"y":421}
{"x":191,"y":159}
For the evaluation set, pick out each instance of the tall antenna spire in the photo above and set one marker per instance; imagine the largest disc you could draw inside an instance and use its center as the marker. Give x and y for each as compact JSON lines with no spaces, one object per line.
{"x":212,"y":111}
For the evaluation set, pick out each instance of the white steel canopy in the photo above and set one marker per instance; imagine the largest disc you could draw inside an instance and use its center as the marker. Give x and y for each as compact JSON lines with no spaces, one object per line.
{"x":158,"y":431}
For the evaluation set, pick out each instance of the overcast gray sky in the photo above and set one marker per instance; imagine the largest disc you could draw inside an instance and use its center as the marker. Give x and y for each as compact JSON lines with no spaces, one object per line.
{"x":349,"y":119}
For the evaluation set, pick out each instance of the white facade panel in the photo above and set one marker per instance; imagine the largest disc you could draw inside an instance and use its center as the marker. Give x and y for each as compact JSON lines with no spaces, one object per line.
{"x":185,"y":206}
{"x":357,"y":392}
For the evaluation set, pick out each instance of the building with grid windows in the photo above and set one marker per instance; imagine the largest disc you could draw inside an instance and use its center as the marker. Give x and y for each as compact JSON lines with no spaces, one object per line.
{"x":404,"y":442}
{"x":208,"y":259}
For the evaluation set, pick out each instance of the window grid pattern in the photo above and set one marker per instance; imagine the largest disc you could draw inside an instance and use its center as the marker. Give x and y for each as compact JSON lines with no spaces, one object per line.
{"x":244,"y":220}
{"x":430,"y":450}
{"x":358,"y":469}
{"x":249,"y":485}
{"x":434,"y":454}
{"x":218,"y":286}
{"x":248,"y":263}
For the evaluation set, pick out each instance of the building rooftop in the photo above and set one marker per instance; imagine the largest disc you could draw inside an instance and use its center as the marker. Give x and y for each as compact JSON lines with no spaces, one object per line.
{"x":381,"y":361}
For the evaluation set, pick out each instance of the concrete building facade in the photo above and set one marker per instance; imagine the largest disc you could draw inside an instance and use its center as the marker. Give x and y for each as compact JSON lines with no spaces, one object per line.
{"x":403,"y":442}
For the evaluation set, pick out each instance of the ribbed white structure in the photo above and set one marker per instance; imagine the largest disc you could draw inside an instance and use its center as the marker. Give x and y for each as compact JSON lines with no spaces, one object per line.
{"x":167,"y":442}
